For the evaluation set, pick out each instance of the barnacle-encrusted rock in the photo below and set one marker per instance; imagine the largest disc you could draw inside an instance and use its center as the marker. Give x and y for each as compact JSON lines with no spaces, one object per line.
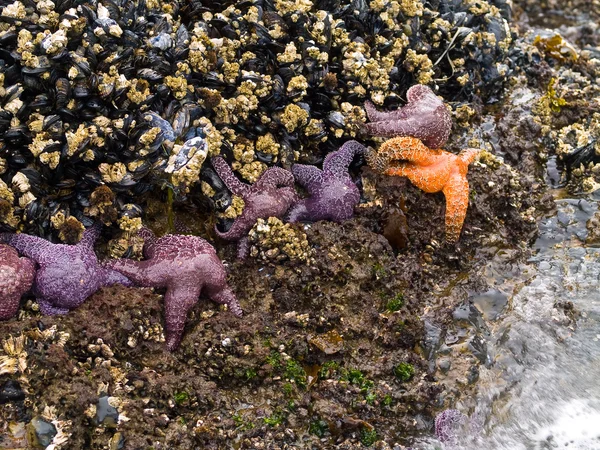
{"x":272,"y":240}
{"x":92,"y":95}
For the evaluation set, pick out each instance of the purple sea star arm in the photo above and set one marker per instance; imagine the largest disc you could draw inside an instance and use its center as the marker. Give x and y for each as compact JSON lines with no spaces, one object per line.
{"x":299,"y":212}
{"x":424,"y":117}
{"x":417,"y":92}
{"x":142,"y":273}
{"x":229,"y":178}
{"x":337,"y":163}
{"x":377,"y":116}
{"x":49,"y":309}
{"x":179,"y":299}
{"x":243,"y":248}
{"x":239,"y":229}
{"x":16,"y":278}
{"x":149,"y":241}
{"x":33,"y":247}
{"x":309,"y":177}
{"x":227,"y":297}
{"x":90,"y":235}
{"x":275,"y":177}
{"x":393,"y":127}
{"x":448,"y":425}
{"x":111,"y":277}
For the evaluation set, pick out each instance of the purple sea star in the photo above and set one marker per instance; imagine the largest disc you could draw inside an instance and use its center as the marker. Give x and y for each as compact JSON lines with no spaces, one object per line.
{"x":185,"y":265}
{"x":424,"y":116}
{"x":332,"y":193}
{"x":67,"y":274}
{"x":271,"y":196}
{"x":16,"y":278}
{"x":449,"y":424}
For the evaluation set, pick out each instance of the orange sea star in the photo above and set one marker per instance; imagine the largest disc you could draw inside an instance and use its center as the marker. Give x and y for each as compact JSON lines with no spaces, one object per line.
{"x":431,"y":170}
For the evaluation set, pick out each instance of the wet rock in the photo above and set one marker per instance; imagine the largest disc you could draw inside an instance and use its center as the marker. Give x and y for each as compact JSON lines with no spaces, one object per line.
{"x":395,"y":229}
{"x":117,"y":442}
{"x":13,"y":435}
{"x":11,"y":392}
{"x":329,"y":343}
{"x":433,"y":338}
{"x":444,"y":364}
{"x":469,"y":314}
{"x":106,"y":414}
{"x":40,"y":433}
{"x":491,"y":303}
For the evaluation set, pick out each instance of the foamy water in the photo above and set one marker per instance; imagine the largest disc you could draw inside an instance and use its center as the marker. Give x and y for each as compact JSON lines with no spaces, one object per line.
{"x":542,"y":390}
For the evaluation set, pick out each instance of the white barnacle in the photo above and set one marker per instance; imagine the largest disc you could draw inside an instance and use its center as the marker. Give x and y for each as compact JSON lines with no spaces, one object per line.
{"x":20,"y":183}
{"x":53,"y":42}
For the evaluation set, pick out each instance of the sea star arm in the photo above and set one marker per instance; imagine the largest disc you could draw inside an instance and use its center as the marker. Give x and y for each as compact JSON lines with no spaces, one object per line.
{"x":337,"y":163}
{"x":27,"y":273}
{"x":243,"y":248}
{"x":309,"y":177}
{"x":227,"y":297}
{"x":33,"y":247}
{"x":111,"y":277}
{"x":401,"y":148}
{"x":375,"y":115}
{"x":179,"y":299}
{"x":49,"y":309}
{"x":149,"y":241}
{"x":228,"y":177}
{"x":298,"y":212}
{"x":143,"y":273}
{"x":90,"y":235}
{"x":456,"y":192}
{"x":468,"y":155}
{"x":276,"y":177}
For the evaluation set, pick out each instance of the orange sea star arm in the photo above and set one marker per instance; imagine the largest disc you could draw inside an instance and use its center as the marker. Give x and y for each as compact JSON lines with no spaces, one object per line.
{"x":457,"y":201}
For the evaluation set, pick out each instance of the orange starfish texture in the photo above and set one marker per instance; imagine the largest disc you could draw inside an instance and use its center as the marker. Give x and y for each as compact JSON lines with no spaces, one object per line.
{"x":431,"y":170}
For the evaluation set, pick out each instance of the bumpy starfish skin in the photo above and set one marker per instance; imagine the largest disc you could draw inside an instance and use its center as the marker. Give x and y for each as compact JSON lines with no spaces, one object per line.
{"x":67,"y":274}
{"x":424,"y":116}
{"x":271,"y":196}
{"x":332,"y":193}
{"x":16,"y":278}
{"x":186,"y":266}
{"x":431,"y":170}
{"x":449,"y":424}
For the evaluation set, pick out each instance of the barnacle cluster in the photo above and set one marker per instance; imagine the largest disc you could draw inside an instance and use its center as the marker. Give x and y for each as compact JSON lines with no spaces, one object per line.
{"x":568,"y":110}
{"x":272,"y":240}
{"x":130,"y":95}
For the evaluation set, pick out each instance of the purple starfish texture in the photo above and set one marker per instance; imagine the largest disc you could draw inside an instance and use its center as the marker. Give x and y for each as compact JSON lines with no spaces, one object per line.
{"x":449,"y":424}
{"x":271,"y":196}
{"x":185,"y":265}
{"x":16,"y":278}
{"x":67,"y":274}
{"x":424,"y":116}
{"x":332,"y":193}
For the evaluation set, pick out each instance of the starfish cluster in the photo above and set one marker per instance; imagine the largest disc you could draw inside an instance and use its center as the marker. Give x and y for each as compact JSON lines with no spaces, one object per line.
{"x":63,"y":276}
{"x":66,"y":274}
